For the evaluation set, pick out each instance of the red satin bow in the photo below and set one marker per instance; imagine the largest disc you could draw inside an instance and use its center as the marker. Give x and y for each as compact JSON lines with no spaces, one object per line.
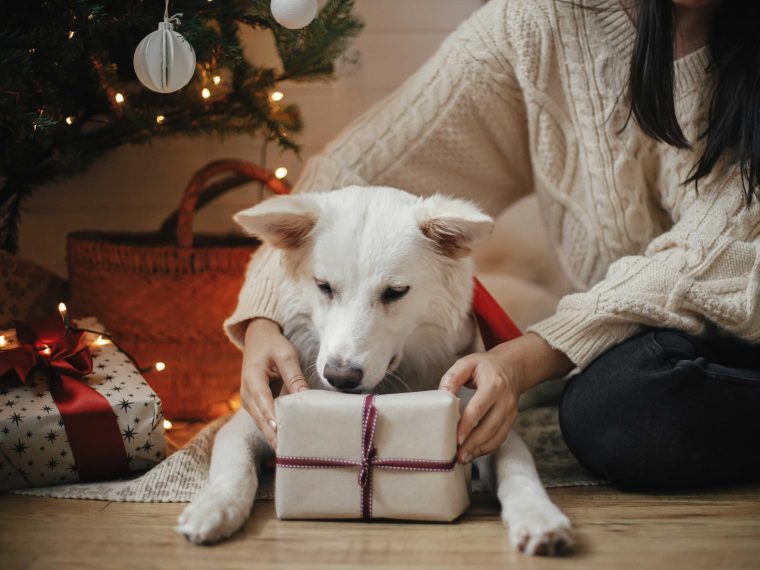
{"x":91,"y":425}
{"x":47,"y":343}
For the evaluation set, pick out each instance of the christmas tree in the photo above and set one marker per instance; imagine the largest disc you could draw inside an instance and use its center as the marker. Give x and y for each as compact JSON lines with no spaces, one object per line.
{"x":68,"y":90}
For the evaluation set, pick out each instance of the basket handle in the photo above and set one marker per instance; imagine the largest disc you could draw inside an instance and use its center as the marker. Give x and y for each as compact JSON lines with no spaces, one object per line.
{"x":197,"y":195}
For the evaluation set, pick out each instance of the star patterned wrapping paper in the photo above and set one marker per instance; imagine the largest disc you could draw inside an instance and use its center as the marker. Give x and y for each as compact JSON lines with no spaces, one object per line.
{"x":34,"y":447}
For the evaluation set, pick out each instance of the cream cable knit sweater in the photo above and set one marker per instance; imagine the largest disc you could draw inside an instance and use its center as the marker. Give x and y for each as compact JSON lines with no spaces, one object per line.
{"x":528,"y":96}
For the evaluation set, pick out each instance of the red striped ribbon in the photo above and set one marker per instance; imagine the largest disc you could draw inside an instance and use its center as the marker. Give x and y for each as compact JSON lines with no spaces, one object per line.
{"x":368,"y":460}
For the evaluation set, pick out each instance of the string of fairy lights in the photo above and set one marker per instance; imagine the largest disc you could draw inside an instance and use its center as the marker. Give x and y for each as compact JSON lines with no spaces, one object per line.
{"x":210,"y":80}
{"x":276,"y":96}
{"x":280,"y":172}
{"x":231,"y":403}
{"x":102,"y":339}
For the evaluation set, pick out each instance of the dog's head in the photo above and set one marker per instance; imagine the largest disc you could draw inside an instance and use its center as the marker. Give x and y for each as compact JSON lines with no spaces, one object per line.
{"x":373,"y":265}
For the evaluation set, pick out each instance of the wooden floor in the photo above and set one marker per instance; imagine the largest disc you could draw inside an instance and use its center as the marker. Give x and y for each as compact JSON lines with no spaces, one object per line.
{"x":715,"y":529}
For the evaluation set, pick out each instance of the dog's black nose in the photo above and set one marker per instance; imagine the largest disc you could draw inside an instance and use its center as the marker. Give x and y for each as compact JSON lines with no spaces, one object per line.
{"x":345,"y":378}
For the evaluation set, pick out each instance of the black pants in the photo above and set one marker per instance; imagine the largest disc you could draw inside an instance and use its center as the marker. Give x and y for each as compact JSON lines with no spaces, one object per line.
{"x":667,"y":408}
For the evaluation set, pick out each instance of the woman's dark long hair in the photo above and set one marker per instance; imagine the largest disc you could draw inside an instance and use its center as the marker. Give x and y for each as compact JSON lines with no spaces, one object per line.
{"x":733,"y":127}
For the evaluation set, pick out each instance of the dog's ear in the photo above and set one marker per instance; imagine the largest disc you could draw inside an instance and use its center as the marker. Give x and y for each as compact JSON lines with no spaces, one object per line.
{"x":454,"y":226}
{"x":284,"y":221}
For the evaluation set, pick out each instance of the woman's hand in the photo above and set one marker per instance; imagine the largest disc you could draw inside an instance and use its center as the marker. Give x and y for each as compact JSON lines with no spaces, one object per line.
{"x":499,"y":377}
{"x":270,"y":362}
{"x":488,"y":417}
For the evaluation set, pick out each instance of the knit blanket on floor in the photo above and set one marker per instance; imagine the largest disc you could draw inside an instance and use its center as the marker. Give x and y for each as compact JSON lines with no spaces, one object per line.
{"x":185,"y":472}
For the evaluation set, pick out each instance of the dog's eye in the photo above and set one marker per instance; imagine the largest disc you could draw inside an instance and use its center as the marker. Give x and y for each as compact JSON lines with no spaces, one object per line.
{"x":325,"y":287}
{"x":394,"y":294}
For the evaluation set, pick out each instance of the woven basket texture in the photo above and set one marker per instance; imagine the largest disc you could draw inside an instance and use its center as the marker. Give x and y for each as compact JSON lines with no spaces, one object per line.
{"x":164,"y":298}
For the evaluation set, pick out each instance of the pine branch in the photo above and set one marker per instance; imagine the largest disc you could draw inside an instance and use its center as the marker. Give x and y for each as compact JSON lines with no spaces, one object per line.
{"x":310,"y":56}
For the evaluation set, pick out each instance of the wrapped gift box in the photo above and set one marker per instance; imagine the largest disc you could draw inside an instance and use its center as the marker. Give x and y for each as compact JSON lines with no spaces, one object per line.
{"x":362,"y":457}
{"x":40,"y":445}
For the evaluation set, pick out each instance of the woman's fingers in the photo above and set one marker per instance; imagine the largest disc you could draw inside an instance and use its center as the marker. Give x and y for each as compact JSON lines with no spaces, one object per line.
{"x":483,"y":433}
{"x":269,"y":361}
{"x":458,"y":375}
{"x":246,"y":396}
{"x":496,"y":440}
{"x":266,"y":429}
{"x":290,"y":372}
{"x":475,"y":410}
{"x":258,"y":401}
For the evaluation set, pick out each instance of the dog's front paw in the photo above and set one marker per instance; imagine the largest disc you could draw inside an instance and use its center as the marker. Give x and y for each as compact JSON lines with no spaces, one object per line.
{"x":539,"y":528}
{"x":212,"y":516}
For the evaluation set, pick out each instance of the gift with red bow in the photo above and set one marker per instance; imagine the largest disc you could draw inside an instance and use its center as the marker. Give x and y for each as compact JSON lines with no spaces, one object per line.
{"x":73,"y":407}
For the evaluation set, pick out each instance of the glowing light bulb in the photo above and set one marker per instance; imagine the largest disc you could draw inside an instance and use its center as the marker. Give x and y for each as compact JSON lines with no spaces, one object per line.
{"x":64,"y":312}
{"x":119,"y":98}
{"x":101,"y":340}
{"x":160,"y":119}
{"x":281,"y":172}
{"x":159,"y":366}
{"x":217,"y":79}
{"x":3,"y":342}
{"x":71,"y":34}
{"x":46,"y":351}
{"x":167,"y":424}
{"x":70,"y":120}
{"x":205,"y":93}
{"x":277,"y":96}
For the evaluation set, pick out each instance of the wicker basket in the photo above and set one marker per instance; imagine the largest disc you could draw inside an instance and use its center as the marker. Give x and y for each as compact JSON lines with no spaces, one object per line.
{"x":164,"y":295}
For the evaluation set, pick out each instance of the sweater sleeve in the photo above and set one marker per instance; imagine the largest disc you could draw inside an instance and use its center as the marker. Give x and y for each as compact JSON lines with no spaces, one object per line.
{"x":704,"y":271}
{"x":457,"y":126}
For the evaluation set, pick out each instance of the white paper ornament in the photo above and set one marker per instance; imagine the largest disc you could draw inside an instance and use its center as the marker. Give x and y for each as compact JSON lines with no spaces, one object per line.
{"x":164,"y":61}
{"x":294,"y":14}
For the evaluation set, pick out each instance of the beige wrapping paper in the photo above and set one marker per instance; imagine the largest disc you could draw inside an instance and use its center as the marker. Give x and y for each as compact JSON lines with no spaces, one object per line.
{"x":328,"y":425}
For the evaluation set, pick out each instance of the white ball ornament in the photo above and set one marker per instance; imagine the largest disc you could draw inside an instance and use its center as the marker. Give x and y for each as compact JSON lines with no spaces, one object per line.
{"x":294,"y":14}
{"x":164,"y":61}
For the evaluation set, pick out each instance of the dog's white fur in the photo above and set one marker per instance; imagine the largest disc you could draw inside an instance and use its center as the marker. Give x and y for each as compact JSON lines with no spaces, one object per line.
{"x":363,"y":240}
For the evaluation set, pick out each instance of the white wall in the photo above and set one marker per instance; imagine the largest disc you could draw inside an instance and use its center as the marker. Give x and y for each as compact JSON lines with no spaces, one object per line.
{"x":134,"y":188}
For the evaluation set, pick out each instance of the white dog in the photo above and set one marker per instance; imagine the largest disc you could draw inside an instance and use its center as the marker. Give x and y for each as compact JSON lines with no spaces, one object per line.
{"x":376,"y":293}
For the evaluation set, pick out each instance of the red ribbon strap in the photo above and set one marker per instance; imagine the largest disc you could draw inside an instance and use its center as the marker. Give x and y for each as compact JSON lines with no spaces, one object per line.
{"x":368,"y":461}
{"x":494,"y":323}
{"x":90,"y":422}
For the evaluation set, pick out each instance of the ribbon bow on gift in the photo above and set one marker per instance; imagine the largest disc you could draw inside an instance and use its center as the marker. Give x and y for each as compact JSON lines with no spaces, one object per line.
{"x":90,"y":422}
{"x":48,"y":344}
